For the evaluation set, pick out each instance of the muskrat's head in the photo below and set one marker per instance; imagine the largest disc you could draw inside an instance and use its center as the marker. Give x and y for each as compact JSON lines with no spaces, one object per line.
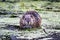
{"x":27,"y":21}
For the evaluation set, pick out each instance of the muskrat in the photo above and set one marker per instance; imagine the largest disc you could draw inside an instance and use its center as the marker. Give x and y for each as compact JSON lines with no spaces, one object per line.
{"x":31,"y":19}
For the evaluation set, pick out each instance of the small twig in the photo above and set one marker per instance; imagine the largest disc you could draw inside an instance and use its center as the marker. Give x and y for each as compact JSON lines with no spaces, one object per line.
{"x":45,"y":31}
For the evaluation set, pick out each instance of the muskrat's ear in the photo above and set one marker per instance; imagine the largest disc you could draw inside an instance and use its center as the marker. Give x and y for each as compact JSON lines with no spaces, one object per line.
{"x":23,"y":16}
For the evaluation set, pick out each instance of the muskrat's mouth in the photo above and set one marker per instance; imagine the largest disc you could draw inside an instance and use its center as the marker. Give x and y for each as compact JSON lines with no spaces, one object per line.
{"x":27,"y":26}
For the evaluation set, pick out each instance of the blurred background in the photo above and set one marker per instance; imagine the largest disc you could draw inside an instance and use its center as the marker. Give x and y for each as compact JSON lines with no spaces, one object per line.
{"x":11,"y":11}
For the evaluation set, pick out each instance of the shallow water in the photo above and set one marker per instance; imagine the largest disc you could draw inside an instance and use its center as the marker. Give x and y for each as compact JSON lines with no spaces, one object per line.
{"x":50,"y":21}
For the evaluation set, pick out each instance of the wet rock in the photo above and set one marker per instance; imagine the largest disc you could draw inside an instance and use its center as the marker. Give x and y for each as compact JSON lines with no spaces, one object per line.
{"x":12,"y":27}
{"x":13,"y":16}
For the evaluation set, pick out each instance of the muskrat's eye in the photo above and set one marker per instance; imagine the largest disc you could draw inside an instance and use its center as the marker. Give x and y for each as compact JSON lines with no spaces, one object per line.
{"x":31,"y":16}
{"x":25,"y":18}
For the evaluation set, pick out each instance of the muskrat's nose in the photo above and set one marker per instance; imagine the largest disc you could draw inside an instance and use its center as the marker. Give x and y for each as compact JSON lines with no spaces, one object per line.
{"x":28,"y":20}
